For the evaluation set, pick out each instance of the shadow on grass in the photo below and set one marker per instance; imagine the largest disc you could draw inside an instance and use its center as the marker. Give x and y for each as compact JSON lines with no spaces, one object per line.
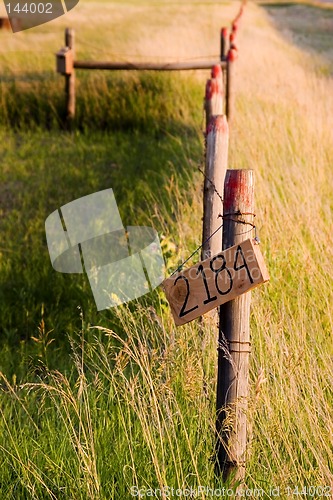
{"x":134,"y":136}
{"x":150,"y":102}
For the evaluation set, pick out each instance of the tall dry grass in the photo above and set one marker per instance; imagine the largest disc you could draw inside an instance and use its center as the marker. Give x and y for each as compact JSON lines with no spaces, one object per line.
{"x":283,"y":130}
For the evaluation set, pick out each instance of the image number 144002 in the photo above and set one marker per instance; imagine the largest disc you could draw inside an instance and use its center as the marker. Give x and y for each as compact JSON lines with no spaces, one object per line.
{"x":215,"y":281}
{"x":24,"y":15}
{"x":29,"y":8}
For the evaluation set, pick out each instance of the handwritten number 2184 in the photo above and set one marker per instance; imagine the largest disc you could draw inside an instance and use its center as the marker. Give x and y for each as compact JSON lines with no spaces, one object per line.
{"x":217,"y":270}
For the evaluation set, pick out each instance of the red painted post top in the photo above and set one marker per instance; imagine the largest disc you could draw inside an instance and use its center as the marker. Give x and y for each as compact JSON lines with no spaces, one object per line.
{"x":238,"y":192}
{"x":232,"y":55}
{"x":235,"y":26}
{"x":216,"y":71}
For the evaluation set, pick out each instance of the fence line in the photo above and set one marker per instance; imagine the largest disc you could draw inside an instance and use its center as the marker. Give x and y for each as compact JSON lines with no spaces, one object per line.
{"x":66,"y":64}
{"x":236,"y":210}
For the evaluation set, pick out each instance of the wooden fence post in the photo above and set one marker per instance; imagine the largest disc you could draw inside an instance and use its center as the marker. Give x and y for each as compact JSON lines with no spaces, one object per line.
{"x":70,"y":78}
{"x":214,"y":94}
{"x":217,"y":141}
{"x":234,"y":335}
{"x":223,"y":47}
{"x":229,"y":98}
{"x":223,"y":57}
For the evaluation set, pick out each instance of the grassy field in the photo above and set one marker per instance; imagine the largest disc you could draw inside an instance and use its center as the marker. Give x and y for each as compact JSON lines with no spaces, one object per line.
{"x":94,"y":404}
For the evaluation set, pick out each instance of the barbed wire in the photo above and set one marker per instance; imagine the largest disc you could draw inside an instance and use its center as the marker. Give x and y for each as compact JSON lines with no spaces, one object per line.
{"x":238,"y":221}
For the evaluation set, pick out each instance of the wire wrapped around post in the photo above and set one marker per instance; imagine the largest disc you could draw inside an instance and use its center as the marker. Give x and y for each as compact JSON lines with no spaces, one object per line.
{"x":234,"y":335}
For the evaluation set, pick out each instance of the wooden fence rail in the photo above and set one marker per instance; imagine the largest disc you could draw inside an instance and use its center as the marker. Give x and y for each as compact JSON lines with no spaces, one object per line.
{"x":146,"y":66}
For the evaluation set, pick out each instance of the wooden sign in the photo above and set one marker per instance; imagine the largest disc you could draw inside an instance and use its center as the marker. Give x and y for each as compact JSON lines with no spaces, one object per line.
{"x":212,"y":282}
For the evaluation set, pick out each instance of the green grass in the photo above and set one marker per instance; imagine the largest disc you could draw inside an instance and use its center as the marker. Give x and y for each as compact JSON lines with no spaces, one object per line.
{"x":121,"y":425}
{"x":44,"y":314}
{"x":93,"y":404}
{"x":44,"y":170}
{"x":103,"y":102}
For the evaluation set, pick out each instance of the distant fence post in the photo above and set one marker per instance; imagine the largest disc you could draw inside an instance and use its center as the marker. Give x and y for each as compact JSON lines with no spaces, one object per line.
{"x":223,"y":57}
{"x":217,"y":140}
{"x":234,"y":335}
{"x":70,"y":77}
{"x":224,"y":42}
{"x":232,"y":56}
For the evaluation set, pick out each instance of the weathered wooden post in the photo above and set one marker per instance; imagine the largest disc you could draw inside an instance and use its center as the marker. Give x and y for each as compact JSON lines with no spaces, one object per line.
{"x":65,"y":66}
{"x":223,"y":57}
{"x":232,"y":56}
{"x":223,"y":46}
{"x":70,"y":77}
{"x":214,"y":94}
{"x":217,"y":140}
{"x":232,"y":41}
{"x":234,"y":334}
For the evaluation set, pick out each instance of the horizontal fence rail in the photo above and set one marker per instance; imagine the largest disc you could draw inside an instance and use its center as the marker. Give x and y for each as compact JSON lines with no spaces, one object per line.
{"x":146,"y":66}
